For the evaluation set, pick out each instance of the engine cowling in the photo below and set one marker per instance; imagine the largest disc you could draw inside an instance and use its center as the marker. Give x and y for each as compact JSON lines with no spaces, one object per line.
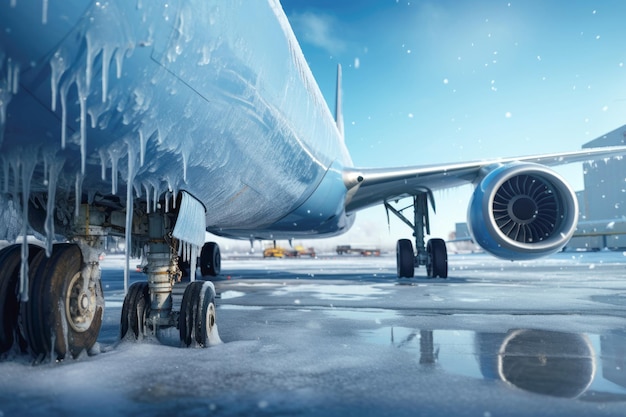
{"x":522,"y":211}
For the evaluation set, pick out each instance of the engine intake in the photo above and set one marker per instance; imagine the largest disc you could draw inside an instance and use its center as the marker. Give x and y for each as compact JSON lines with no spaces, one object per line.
{"x":522,"y":211}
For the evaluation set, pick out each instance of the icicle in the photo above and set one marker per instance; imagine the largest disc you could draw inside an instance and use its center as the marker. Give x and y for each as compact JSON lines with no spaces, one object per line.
{"x":142,"y":146}
{"x":65,"y":87}
{"x":127,"y":239}
{"x":55,"y":169}
{"x":107,"y":52}
{"x":91,"y":56}
{"x":78,"y":192}
{"x":9,"y":74}
{"x":28,"y":167}
{"x":83,"y":93}
{"x":167,"y":202}
{"x":115,"y":155}
{"x":174,"y":192}
{"x":58,"y":66}
{"x":155,"y":200}
{"x":15,"y":82}
{"x":129,"y":212}
{"x":45,"y":171}
{"x":44,"y":12}
{"x":146,"y":185}
{"x":95,"y":110}
{"x":119,"y":59}
{"x":185,"y":157}
{"x":103,"y":164}
{"x":193,"y":262}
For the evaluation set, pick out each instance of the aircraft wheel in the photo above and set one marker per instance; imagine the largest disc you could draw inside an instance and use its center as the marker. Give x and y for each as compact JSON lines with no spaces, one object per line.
{"x":437,"y":263}
{"x":210,"y":260}
{"x":135,"y":310}
{"x":64,"y":311}
{"x":405,"y":258}
{"x":197,"y":314}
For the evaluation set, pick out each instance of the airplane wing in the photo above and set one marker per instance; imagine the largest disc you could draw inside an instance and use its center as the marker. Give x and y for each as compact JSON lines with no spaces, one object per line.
{"x":372,"y":186}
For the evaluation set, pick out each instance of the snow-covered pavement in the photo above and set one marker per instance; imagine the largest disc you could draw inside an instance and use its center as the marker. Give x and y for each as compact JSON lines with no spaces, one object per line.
{"x":344,"y":336}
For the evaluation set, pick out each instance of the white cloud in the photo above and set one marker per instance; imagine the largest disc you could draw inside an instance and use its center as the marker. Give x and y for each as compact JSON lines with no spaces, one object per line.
{"x":318,"y":30}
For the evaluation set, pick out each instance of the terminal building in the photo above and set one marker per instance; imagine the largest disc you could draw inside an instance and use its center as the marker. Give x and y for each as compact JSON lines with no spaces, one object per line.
{"x":602,"y":203}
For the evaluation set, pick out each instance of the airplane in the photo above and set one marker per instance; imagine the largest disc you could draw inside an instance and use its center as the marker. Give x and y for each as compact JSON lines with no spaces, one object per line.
{"x":157,"y":121}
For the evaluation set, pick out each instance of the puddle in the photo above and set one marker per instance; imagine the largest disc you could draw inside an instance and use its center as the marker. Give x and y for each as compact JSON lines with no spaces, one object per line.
{"x":226,"y":295}
{"x":366,"y":314}
{"x":558,"y":364}
{"x":237,"y":307}
{"x":333,"y":292}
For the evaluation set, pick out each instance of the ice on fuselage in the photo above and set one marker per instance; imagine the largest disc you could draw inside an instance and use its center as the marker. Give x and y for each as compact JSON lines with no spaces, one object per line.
{"x":244,"y":94}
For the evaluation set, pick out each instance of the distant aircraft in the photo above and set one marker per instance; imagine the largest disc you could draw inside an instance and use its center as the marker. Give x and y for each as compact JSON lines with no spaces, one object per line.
{"x":159,"y":120}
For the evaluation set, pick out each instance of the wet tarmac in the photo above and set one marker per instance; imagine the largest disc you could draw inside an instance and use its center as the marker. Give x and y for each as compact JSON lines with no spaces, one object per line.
{"x":344,"y":336}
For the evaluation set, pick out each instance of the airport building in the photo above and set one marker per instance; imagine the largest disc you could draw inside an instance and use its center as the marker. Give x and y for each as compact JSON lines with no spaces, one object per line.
{"x":602,"y":203}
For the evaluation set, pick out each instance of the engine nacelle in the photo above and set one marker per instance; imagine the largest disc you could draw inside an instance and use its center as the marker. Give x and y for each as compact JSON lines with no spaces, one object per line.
{"x":522,"y":211}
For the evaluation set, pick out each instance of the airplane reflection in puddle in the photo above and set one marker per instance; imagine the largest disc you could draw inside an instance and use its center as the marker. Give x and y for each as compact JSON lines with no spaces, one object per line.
{"x":546,"y":362}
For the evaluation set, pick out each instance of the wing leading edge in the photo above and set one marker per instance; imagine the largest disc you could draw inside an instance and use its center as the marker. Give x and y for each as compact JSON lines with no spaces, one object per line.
{"x":372,"y":186}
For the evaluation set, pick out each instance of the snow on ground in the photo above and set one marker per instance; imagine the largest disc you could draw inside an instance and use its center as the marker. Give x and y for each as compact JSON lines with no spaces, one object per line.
{"x":344,"y":336}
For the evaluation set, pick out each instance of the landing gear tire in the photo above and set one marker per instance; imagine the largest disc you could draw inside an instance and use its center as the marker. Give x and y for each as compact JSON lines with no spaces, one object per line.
{"x":197,"y":314}
{"x":405,"y":259}
{"x":10,"y":261}
{"x":210,"y":260}
{"x":135,"y":310}
{"x":64,"y":312}
{"x":437,"y":263}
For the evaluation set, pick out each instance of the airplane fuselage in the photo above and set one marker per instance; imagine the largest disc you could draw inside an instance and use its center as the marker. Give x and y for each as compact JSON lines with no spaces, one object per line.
{"x":168,"y":96}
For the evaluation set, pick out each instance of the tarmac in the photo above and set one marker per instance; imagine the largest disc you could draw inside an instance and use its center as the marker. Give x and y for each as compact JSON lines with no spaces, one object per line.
{"x":342,"y":335}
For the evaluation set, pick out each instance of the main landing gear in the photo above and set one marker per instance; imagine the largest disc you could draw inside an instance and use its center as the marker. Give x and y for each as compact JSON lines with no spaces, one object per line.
{"x":63,"y":313}
{"x":57,"y":311}
{"x":433,"y":255}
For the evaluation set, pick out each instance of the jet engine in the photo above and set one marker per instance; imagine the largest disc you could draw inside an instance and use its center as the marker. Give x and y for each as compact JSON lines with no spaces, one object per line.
{"x":522,"y":211}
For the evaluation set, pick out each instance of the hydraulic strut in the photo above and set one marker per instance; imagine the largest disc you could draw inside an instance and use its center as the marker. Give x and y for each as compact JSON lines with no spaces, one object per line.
{"x":420,"y":224}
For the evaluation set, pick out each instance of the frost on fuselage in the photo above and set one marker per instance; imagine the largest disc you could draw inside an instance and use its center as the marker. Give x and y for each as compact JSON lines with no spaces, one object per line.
{"x":140,"y":100}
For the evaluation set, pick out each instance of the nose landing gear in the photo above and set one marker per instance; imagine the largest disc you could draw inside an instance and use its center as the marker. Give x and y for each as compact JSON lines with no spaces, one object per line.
{"x":172,"y":297}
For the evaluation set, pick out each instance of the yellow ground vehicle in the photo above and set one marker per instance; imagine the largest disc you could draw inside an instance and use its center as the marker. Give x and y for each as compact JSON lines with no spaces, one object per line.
{"x":297,"y":251}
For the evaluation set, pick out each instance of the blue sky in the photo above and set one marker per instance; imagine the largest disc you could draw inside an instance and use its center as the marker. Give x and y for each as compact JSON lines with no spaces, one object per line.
{"x":446,"y":81}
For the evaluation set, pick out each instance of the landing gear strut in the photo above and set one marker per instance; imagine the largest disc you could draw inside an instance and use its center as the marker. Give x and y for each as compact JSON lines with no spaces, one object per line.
{"x":433,"y":255}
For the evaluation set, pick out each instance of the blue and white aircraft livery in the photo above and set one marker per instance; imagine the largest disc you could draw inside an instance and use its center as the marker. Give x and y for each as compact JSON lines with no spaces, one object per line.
{"x":160,"y":120}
